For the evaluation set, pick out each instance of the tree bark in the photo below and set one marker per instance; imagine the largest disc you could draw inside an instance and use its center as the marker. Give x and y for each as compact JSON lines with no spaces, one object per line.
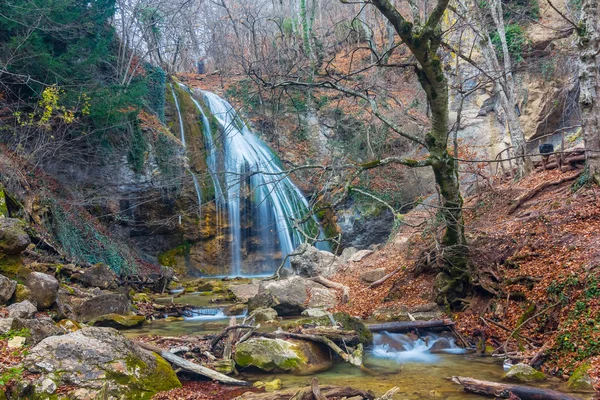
{"x":589,"y":47}
{"x":506,"y":391}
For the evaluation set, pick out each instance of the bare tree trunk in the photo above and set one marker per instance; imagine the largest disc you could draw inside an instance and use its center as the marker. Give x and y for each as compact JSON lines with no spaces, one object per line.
{"x":589,"y":48}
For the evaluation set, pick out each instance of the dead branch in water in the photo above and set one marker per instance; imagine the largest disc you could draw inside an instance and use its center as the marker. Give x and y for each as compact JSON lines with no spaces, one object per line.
{"x":507,"y":391}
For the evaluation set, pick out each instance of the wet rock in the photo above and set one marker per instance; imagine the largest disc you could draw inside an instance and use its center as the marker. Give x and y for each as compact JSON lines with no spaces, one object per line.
{"x":440,"y":345}
{"x":99,"y":275}
{"x":39,"y":329}
{"x":44,"y":288}
{"x":268,"y":386}
{"x":112,"y":303}
{"x":524,"y":373}
{"x":315,"y":312}
{"x":5,"y":325}
{"x":13,"y":238}
{"x":119,"y":321}
{"x":236,"y":309}
{"x":340,"y":319}
{"x":312,"y":262}
{"x":97,"y":358}
{"x":581,"y":381}
{"x":23,"y":309}
{"x":7,"y":289}
{"x":263,"y":314}
{"x":282,"y":355}
{"x":371,"y":276}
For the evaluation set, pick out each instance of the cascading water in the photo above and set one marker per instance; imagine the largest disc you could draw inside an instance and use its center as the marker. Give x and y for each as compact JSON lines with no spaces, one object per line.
{"x":250,"y":188}
{"x":404,"y":348}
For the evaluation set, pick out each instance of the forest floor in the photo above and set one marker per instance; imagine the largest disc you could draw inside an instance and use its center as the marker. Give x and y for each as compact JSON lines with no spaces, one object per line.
{"x":539,"y":263}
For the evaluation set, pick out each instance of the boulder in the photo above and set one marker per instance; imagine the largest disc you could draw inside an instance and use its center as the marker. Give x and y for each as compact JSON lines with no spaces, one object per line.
{"x":23,"y":309}
{"x":39,"y":329}
{"x":23,"y":293}
{"x":321,"y":297}
{"x":314,"y":312}
{"x":44,"y":288}
{"x":13,"y":238}
{"x":581,"y":381}
{"x":245,"y":291}
{"x":100,"y":359}
{"x":312,"y":262}
{"x":7,"y":289}
{"x":104,"y":304}
{"x":99,"y":275}
{"x":359,"y":255}
{"x":119,"y":321}
{"x":282,"y":355}
{"x":340,"y":319}
{"x":371,"y":276}
{"x":441,"y":344}
{"x":524,"y":373}
{"x":5,"y":325}
{"x":263,"y":314}
{"x":286,"y":296}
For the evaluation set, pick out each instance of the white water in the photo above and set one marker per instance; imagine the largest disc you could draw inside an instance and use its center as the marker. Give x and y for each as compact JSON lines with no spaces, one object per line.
{"x":181,"y":129}
{"x":210,"y":315}
{"x":403,"y":348}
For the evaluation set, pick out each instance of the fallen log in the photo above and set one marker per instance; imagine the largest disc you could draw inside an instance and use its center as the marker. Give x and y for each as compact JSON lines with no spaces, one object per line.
{"x":385,"y":278}
{"x":189,"y":366}
{"x":224,"y":332}
{"x":507,"y":391}
{"x":329,"y":392}
{"x":526,"y":196}
{"x":407,"y":326}
{"x":334,"y":285}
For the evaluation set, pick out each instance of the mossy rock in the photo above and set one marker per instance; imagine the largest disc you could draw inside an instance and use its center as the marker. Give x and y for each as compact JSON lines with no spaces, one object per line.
{"x":347,"y":323}
{"x":141,"y":297}
{"x":68,"y":325}
{"x":23,"y":293}
{"x":119,"y":321}
{"x":581,"y":381}
{"x":12,"y":267}
{"x":268,"y":386}
{"x":524,"y":373}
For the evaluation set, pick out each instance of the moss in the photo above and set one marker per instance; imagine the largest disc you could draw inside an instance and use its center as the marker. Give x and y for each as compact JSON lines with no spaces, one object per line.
{"x":524,"y":373}
{"x":527,"y":314}
{"x":119,"y":321}
{"x":3,"y":206}
{"x":12,"y":267}
{"x":347,"y":322}
{"x":580,"y":380}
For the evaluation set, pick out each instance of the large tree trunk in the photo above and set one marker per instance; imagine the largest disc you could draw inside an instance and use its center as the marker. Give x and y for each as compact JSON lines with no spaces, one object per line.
{"x":589,"y":45}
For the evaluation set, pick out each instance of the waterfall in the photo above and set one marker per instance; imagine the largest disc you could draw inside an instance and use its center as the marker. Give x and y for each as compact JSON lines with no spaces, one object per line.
{"x":251,"y":188}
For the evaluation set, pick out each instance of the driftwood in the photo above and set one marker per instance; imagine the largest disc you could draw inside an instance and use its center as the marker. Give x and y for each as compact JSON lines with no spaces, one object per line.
{"x":334,"y":285}
{"x":314,"y":386}
{"x":329,"y":392}
{"x":518,"y":202}
{"x":354,"y":359}
{"x":398,"y":327}
{"x":224,"y":332}
{"x":189,"y":366}
{"x":507,"y":391}
{"x":385,"y":278}
{"x":333,"y":333}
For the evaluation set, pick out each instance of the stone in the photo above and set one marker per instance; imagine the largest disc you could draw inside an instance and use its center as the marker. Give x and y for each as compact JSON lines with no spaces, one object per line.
{"x":7,"y":289}
{"x":68,"y":326}
{"x":524,"y":373}
{"x":263,"y":314}
{"x":287,"y":296}
{"x":440,"y":345}
{"x":23,"y":309}
{"x":321,"y":297}
{"x":5,"y":325}
{"x":245,"y":291}
{"x":314,"y":312}
{"x":47,"y":386}
{"x":44,"y":288}
{"x":95,"y":359}
{"x":359,"y":255}
{"x":112,"y":303}
{"x":362,"y":225}
{"x":278,"y":355}
{"x":39,"y":328}
{"x":581,"y":381}
{"x":268,"y":386}
{"x":224,"y":366}
{"x":312,"y":262}
{"x":16,"y":342}
{"x":347,"y":253}
{"x":13,"y":236}
{"x":99,"y":275}
{"x":341,"y":319}
{"x":23,"y":293}
{"x":119,"y":321}
{"x":141,"y":297}
{"x":371,"y":276}
{"x":235,"y":310}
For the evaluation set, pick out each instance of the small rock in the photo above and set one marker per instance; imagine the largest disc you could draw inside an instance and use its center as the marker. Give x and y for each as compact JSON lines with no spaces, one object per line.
{"x":314,"y":312}
{"x":23,"y":309}
{"x":235,"y":310}
{"x":7,"y":289}
{"x":268,"y":386}
{"x":13,"y":238}
{"x":100,"y":276}
{"x":16,"y":342}
{"x":373,"y":275}
{"x":44,"y":288}
{"x":68,"y":326}
{"x":264,"y":314}
{"x":440,"y":345}
{"x":524,"y":373}
{"x":47,"y":386}
{"x":5,"y":325}
{"x":141,"y":297}
{"x":359,"y":255}
{"x":23,"y":293}
{"x":119,"y":321}
{"x":39,"y":328}
{"x":581,"y":381}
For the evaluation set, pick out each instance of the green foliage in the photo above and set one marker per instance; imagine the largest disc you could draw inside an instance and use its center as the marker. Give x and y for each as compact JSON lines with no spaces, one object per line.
{"x":13,"y":373}
{"x":83,"y":242}
{"x":138,"y":146}
{"x":165,"y":149}
{"x":23,"y":332}
{"x":515,"y":39}
{"x":157,"y":86}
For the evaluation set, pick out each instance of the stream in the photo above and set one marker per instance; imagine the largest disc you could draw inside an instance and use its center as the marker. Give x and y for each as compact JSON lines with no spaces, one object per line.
{"x":393,"y":360}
